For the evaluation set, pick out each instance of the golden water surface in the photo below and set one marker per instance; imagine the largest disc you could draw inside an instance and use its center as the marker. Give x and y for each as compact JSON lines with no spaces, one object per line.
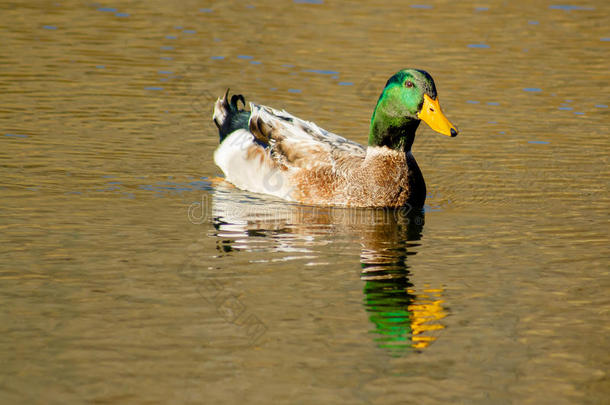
{"x":131,"y":273}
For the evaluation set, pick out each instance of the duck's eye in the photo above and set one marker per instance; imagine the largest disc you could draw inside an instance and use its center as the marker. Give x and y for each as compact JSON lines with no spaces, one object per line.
{"x":408,"y":83}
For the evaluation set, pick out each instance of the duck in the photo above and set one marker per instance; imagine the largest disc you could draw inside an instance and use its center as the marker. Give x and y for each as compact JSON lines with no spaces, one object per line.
{"x":269,"y":151}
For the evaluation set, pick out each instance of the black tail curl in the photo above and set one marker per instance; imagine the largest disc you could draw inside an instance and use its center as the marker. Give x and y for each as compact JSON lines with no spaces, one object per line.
{"x":234,"y":117}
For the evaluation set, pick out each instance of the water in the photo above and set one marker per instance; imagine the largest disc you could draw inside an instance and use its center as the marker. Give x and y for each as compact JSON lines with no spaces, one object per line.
{"x":132,"y":273}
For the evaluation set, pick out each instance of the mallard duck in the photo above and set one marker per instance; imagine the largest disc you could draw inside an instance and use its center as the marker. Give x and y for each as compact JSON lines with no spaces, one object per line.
{"x":273,"y":152}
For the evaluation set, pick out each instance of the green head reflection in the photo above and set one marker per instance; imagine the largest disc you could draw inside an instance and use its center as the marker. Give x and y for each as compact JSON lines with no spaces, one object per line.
{"x":388,"y":301}
{"x":404,"y":317}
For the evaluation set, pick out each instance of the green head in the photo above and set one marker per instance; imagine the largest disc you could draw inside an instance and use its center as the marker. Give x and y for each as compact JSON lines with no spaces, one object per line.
{"x":408,"y":97}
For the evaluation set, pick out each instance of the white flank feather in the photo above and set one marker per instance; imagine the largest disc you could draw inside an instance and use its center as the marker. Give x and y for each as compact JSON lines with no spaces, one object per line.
{"x":239,"y":157}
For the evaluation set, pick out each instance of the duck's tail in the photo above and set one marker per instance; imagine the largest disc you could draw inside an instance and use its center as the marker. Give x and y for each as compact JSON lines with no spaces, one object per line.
{"x":227,"y":115}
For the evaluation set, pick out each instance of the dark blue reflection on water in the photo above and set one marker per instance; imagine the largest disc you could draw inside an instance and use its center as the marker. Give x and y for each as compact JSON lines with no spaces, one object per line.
{"x":321,"y":71}
{"x":569,"y":7}
{"x":165,"y":187}
{"x":483,"y":46}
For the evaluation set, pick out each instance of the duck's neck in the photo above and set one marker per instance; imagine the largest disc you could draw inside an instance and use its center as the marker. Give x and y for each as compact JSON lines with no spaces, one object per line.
{"x":395,"y":133}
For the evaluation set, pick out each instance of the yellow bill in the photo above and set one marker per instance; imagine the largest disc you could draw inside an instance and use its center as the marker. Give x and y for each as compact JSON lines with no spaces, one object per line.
{"x":432,"y":115}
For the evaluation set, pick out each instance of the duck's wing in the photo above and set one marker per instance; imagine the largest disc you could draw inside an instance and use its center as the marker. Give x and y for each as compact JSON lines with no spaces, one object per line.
{"x":298,"y":143}
{"x":263,"y":154}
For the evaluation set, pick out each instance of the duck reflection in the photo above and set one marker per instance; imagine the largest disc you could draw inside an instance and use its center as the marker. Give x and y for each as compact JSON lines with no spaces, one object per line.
{"x":404,"y":317}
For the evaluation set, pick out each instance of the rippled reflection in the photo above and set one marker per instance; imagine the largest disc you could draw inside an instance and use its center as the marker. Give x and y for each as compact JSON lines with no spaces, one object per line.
{"x":404,"y":316}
